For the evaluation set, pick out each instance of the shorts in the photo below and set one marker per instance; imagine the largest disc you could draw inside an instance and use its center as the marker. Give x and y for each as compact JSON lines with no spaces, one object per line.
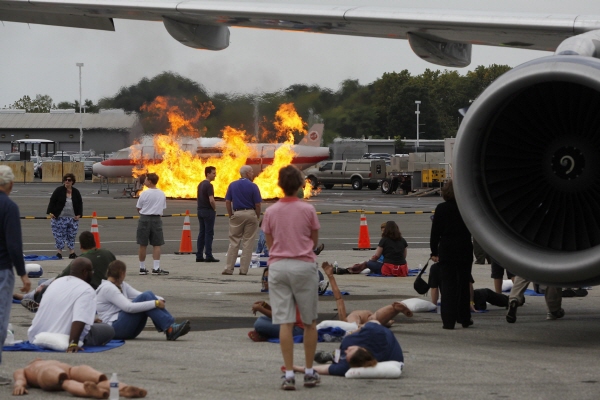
{"x":150,"y":230}
{"x":293,"y":282}
{"x":388,"y":269}
{"x":498,"y":271}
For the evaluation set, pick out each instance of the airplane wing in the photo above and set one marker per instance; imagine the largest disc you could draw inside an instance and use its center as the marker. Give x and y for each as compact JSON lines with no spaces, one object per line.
{"x":442,"y":37}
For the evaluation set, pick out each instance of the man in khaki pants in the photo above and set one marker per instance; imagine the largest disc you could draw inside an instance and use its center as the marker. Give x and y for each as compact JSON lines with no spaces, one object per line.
{"x":243,"y":202}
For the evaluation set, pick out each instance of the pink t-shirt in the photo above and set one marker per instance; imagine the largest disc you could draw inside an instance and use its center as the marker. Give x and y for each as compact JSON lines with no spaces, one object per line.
{"x":291,"y":221}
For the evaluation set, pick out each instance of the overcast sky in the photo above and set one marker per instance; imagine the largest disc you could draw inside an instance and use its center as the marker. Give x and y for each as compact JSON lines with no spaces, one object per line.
{"x":37,"y":59}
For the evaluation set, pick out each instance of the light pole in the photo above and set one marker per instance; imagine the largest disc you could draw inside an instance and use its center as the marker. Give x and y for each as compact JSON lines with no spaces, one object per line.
{"x":80,"y":114}
{"x":417,"y":102}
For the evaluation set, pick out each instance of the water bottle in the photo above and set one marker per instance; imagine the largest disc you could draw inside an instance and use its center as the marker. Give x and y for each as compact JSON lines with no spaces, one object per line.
{"x":335,"y":267}
{"x":439,"y":307}
{"x":114,"y":387}
{"x":10,"y":336}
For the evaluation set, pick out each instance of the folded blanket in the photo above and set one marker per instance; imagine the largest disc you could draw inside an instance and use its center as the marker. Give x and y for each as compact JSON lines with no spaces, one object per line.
{"x":27,"y":346}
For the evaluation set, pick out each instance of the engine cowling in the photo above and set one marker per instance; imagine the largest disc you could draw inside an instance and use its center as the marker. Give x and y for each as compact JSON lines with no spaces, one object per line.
{"x":527,"y":170}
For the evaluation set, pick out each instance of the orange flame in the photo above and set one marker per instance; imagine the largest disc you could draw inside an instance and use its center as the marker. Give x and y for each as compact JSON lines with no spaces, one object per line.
{"x":181,"y":170}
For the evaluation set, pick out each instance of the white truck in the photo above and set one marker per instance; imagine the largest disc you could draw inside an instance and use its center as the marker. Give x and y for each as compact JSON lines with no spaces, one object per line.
{"x":358,"y":173}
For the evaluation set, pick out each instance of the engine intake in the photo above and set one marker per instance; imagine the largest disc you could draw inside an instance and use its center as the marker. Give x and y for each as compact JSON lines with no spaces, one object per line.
{"x":527,"y":170}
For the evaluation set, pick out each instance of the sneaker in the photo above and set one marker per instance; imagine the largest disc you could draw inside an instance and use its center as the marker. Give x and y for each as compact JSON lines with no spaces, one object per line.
{"x":323,"y":357}
{"x":341,"y":271}
{"x":177,"y":330}
{"x":143,"y":271}
{"x":72,"y":256}
{"x":511,"y":315}
{"x":159,"y":272}
{"x":556,"y":314}
{"x":288,"y":384}
{"x":312,"y":380}
{"x":59,"y":256}
{"x":319,"y":249}
{"x":30,"y":304}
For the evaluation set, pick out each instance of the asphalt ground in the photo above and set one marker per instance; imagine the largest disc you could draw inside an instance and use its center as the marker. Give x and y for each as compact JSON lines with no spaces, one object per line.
{"x":533,"y":359}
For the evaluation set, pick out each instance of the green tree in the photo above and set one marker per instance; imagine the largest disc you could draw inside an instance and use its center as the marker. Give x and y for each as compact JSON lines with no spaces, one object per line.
{"x":41,"y":104}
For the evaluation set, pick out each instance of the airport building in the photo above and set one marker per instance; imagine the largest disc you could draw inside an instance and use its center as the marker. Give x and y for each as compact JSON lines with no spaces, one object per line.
{"x":344,"y":149}
{"x":104,"y":132}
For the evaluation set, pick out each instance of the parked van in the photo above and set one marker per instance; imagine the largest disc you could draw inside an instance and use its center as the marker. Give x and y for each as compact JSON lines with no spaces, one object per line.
{"x":358,"y":173}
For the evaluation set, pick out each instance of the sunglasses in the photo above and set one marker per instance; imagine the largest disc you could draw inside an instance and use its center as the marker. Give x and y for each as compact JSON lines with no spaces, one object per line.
{"x":68,"y":180}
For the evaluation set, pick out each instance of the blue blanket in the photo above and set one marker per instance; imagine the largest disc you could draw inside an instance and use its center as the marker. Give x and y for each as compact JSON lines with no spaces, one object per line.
{"x":330,"y":293}
{"x":322,"y":333}
{"x":26,"y":346}
{"x":33,"y":257}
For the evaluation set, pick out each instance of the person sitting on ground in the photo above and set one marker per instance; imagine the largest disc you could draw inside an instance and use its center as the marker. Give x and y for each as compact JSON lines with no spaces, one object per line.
{"x":265,"y":329}
{"x":372,"y":265}
{"x":80,"y":381}
{"x":100,"y":259}
{"x":69,"y":307}
{"x":370,"y":344}
{"x":393,"y":247}
{"x":128,"y":309}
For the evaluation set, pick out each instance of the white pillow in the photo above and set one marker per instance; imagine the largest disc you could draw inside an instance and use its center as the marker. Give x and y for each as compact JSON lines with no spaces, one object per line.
{"x":32,"y":268}
{"x":53,"y":341}
{"x":347,"y":326}
{"x":384,"y":370}
{"x":507,"y":285}
{"x":419,"y":305}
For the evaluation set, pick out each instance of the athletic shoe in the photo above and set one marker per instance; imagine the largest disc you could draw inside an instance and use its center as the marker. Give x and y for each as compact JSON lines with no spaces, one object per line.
{"x":288,"y":384}
{"x":323,"y":357}
{"x":59,"y":256}
{"x":159,"y":272}
{"x":177,"y":330}
{"x":312,"y":380}
{"x":30,"y":304}
{"x":511,"y":315}
{"x":341,"y":271}
{"x":72,"y":256}
{"x":556,"y":314}
{"x":319,"y":249}
{"x":143,"y":271}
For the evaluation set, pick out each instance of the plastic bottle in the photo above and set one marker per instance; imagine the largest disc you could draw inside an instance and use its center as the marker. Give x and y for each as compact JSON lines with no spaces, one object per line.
{"x":439,"y":307}
{"x":10,"y":335}
{"x":114,"y":387}
{"x":335,"y":267}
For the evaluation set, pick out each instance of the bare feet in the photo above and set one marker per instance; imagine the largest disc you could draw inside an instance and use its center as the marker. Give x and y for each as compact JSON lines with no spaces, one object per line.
{"x":92,"y":390}
{"x":327,"y":268}
{"x":132,"y":392}
{"x":400,"y":307}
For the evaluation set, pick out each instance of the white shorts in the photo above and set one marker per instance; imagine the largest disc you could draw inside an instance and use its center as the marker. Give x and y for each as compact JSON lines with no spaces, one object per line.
{"x":293,"y":282}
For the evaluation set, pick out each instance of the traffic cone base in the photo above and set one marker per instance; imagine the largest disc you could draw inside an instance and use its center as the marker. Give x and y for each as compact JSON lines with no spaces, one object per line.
{"x":364,"y":242}
{"x":185,"y":246}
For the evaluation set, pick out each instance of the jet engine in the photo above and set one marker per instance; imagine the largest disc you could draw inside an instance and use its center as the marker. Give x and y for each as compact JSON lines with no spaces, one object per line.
{"x":527,"y":170}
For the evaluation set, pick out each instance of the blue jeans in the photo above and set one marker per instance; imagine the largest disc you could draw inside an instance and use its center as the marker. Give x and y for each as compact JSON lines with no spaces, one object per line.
{"x":206,"y":219}
{"x":267,"y":328}
{"x":375,"y":266}
{"x":129,"y":326}
{"x":7,"y":283}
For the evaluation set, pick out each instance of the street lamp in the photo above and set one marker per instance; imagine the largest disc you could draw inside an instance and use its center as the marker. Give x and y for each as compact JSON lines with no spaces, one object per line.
{"x":80,"y":114}
{"x":417,"y":102}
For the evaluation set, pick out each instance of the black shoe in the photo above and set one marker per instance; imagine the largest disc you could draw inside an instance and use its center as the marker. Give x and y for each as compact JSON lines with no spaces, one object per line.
{"x":447,"y":327}
{"x":159,"y":272}
{"x":341,"y":271}
{"x":72,"y":255}
{"x":200,"y":260}
{"x":511,"y":315}
{"x":568,"y":293}
{"x":211,"y":259}
{"x":175,"y":331}
{"x":581,"y":292}
{"x":468,"y":324}
{"x":323,"y":357}
{"x":59,"y":256}
{"x":319,"y":249}
{"x":143,"y":271}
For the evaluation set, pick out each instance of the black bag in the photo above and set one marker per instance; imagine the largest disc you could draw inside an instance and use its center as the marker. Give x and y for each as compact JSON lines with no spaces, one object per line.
{"x":420,"y":285}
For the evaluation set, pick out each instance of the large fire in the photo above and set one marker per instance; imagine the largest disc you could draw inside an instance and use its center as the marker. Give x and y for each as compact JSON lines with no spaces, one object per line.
{"x":181,"y":170}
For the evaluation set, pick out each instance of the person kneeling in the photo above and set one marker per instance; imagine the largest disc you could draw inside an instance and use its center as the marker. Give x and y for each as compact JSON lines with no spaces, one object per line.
{"x":128,"y":309}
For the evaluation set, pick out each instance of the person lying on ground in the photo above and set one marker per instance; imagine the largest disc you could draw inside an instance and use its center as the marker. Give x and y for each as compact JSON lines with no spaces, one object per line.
{"x":393,"y":247}
{"x":265,"y":329}
{"x":128,"y":309}
{"x":80,"y":381}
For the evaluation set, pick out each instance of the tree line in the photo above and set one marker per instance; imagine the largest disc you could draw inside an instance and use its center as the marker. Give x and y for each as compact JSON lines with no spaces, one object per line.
{"x":381,"y":109}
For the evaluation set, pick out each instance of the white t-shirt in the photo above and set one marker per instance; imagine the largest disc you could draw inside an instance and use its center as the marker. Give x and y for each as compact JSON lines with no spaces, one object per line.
{"x":67,"y":299}
{"x":152,"y":202}
{"x":111,"y":301}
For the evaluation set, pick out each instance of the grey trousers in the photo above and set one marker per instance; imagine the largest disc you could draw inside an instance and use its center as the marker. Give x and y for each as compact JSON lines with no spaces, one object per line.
{"x":553,"y":295}
{"x":99,"y":335}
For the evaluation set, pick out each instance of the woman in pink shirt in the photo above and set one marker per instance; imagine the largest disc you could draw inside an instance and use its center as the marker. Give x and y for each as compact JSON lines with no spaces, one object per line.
{"x":292,"y":228}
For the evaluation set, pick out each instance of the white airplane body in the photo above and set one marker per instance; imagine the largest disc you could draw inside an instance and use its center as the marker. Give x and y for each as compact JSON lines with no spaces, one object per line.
{"x":527,"y":155}
{"x":306,"y":153}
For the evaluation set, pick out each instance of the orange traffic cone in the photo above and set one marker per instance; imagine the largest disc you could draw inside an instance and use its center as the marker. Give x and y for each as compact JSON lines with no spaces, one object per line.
{"x":95,"y":230}
{"x":185,"y":247}
{"x":364,"y":242}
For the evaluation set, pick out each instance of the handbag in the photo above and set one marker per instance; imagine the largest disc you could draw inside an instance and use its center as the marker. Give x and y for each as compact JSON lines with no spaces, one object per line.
{"x":420,"y":285}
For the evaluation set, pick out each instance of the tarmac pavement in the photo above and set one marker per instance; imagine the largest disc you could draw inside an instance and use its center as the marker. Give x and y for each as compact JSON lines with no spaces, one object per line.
{"x":533,"y":358}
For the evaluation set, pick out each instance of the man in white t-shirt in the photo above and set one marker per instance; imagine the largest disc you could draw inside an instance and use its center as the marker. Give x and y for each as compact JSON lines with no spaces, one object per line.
{"x":69,"y":307}
{"x":150,"y":206}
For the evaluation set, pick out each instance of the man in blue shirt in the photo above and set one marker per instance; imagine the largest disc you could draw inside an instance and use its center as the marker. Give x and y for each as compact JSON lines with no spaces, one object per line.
{"x":206,"y":216}
{"x":243,"y":202}
{"x":11,"y":252}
